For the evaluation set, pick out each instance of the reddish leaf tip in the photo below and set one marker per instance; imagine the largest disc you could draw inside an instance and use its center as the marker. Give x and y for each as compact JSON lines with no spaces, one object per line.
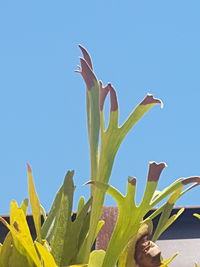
{"x":190,"y":180}
{"x":155,"y":170}
{"x":86,"y":56}
{"x":89,"y":182}
{"x":113,"y":99}
{"x":149,"y":99}
{"x":28,"y":167}
{"x":87,"y":74}
{"x":113,"y":96}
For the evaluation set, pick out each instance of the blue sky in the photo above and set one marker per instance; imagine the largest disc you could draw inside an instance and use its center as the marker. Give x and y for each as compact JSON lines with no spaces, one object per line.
{"x":140,"y":46}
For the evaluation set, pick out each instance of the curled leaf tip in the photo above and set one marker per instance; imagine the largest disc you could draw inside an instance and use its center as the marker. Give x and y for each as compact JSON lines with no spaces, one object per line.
{"x":132,"y":180}
{"x":87,"y":74}
{"x":155,"y":170}
{"x":89,"y":182}
{"x":149,"y":99}
{"x":28,"y":167}
{"x":190,"y":180}
{"x":86,"y":56}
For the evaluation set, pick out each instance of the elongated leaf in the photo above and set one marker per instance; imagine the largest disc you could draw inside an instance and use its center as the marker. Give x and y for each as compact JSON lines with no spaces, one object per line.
{"x":81,"y":203}
{"x":61,"y":226}
{"x":24,"y":205}
{"x":72,"y":235}
{"x":48,"y":226}
{"x":46,"y":256}
{"x":148,"y":102}
{"x":35,"y":204}
{"x":167,"y":224}
{"x":93,"y":115}
{"x":164,"y":218}
{"x":63,"y":222}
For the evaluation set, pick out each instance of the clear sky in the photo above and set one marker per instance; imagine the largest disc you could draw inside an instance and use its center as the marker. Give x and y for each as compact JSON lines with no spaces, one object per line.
{"x":140,"y":46}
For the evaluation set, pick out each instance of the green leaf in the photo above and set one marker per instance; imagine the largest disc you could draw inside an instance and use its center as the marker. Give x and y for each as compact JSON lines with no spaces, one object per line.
{"x":35,"y":204}
{"x":164,"y":221}
{"x":148,"y":102}
{"x":167,"y":224}
{"x":93,"y":114}
{"x":48,"y":226}
{"x":43,"y":212}
{"x":62,"y":221}
{"x":81,"y":203}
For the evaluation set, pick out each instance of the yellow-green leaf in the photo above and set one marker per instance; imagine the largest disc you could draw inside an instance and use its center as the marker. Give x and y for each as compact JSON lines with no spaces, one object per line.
{"x":96,"y":258}
{"x":165,"y":263}
{"x":35,"y":204}
{"x":9,"y":255}
{"x":45,"y":255}
{"x":21,"y":233}
{"x":196,"y":215}
{"x":24,"y":205}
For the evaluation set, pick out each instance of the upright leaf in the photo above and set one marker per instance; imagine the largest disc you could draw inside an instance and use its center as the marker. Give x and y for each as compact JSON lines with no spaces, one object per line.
{"x":35,"y":204}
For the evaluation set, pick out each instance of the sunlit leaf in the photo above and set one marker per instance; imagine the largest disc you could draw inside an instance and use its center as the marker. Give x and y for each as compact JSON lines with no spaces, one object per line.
{"x":10,"y":256}
{"x":81,"y":203}
{"x":24,"y":205}
{"x":21,"y":233}
{"x":46,"y":256}
{"x":165,"y":262}
{"x":35,"y":204}
{"x":196,"y":215}
{"x":96,"y":258}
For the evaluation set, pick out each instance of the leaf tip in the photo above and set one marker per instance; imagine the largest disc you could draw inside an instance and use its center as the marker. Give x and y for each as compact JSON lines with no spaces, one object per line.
{"x":87,"y":74}
{"x":28,"y":167}
{"x":86,"y":55}
{"x":155,"y":170}
{"x":113,"y":96}
{"x":195,"y":179}
{"x":149,"y":99}
{"x":132,"y":180}
{"x":89,"y":182}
